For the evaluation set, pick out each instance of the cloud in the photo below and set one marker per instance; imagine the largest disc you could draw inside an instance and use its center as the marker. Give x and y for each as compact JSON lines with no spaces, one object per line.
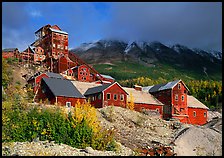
{"x":191,"y":24}
{"x":35,"y":13}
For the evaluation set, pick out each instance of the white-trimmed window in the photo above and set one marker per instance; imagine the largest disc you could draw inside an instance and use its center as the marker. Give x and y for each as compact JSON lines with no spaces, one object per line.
{"x":54,"y":45}
{"x":59,"y":45}
{"x":108,"y":96}
{"x":194,"y":113}
{"x":122,"y":97}
{"x":68,"y":104}
{"x":157,"y":109}
{"x":182,"y":97}
{"x":179,"y":86}
{"x":176,"y":97}
{"x":66,"y":47}
{"x":205,"y":114}
{"x":115,"y":96}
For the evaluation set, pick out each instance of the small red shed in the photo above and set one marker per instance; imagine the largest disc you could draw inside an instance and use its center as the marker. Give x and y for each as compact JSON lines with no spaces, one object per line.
{"x":59,"y":91}
{"x":106,"y":95}
{"x":197,"y":111}
{"x":10,"y":53}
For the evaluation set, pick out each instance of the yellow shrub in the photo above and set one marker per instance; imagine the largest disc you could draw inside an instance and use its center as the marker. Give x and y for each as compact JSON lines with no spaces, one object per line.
{"x":131,"y":104}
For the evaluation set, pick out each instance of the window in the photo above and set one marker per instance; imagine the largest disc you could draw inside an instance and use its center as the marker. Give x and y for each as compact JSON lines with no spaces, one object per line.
{"x":68,"y":104}
{"x":53,"y":53}
{"x":194,"y":112}
{"x":178,"y":85}
{"x":66,"y":47}
{"x":176,"y":97}
{"x":53,"y":45}
{"x":40,"y":56}
{"x":99,"y":96}
{"x":108,"y":96}
{"x":157,"y":109}
{"x":182,"y":97}
{"x":81,"y":73}
{"x":59,"y":46}
{"x":115,"y":96}
{"x":93,"y":98}
{"x":122,"y":97}
{"x":205,"y":114}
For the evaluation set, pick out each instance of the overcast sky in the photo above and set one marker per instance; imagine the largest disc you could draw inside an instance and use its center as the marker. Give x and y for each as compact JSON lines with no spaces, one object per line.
{"x":196,"y":25}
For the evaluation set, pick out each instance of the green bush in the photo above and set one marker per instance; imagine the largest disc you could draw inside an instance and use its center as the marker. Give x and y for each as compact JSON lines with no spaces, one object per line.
{"x":50,"y":124}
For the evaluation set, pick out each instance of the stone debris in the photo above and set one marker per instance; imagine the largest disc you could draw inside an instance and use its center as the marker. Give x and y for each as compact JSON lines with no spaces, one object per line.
{"x":46,"y":148}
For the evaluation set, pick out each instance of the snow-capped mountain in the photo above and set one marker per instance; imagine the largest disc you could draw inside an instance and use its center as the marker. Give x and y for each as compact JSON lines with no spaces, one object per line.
{"x":150,"y":53}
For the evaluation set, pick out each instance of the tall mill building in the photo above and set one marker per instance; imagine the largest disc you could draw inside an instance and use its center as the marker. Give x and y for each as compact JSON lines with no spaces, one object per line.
{"x":54,"y":41}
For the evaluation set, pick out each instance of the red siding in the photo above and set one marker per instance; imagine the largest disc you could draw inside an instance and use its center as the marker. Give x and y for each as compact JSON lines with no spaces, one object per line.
{"x":95,"y":100}
{"x":114,"y":89}
{"x":179,"y":105}
{"x":62,"y":100}
{"x":38,"y":79}
{"x":83,"y":73}
{"x":139,"y":106}
{"x":7,"y":54}
{"x":199,"y":119}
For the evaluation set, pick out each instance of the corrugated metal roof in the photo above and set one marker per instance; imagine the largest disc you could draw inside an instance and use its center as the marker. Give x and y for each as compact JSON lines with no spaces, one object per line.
{"x":54,"y":75}
{"x":9,"y":49}
{"x":58,"y":31}
{"x":61,"y":87}
{"x":195,"y":103}
{"x":156,"y":87}
{"x":142,"y":97}
{"x":107,"y":76}
{"x":169,"y":85}
{"x":97,"y":89}
{"x":84,"y":86}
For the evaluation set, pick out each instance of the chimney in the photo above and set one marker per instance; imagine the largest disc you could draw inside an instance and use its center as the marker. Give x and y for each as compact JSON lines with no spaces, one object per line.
{"x":138,"y":88}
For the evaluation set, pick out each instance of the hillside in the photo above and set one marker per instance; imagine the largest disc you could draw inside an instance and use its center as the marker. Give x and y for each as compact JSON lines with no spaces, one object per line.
{"x":151,"y":59}
{"x":134,"y":131}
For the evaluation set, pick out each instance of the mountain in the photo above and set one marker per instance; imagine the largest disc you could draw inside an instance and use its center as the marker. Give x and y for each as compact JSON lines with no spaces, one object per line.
{"x":194,"y":62}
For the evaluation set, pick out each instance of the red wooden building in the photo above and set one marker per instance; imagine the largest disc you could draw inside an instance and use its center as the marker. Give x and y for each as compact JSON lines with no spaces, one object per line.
{"x":34,"y":80}
{"x":107,"y":95}
{"x":177,"y":103}
{"x":59,"y":91}
{"x":10,"y":53}
{"x":54,"y":41}
{"x":197,"y":111}
{"x":144,"y":101}
{"x":33,"y":55}
{"x":174,"y":97}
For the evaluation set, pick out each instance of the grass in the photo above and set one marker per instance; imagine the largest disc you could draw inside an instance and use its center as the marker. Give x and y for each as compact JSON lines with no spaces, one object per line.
{"x":128,"y":70}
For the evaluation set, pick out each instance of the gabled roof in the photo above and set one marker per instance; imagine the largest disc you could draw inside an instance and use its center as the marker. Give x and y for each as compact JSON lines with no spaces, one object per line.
{"x":58,"y":31}
{"x":192,"y":102}
{"x":142,"y":97}
{"x":60,"y":87}
{"x":169,"y":85}
{"x":9,"y":49}
{"x":101,"y":88}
